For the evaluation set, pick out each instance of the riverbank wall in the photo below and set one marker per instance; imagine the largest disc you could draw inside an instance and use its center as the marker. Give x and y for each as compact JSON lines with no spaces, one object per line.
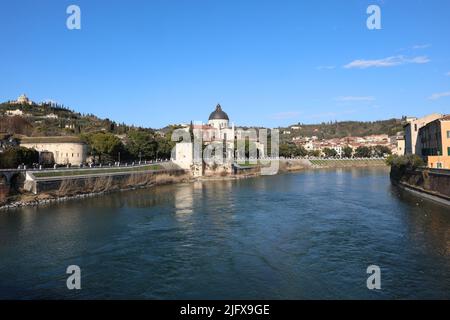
{"x":37,"y":190}
{"x":34,"y":190}
{"x":289,"y":165}
{"x":433,"y":184}
{"x":66,"y":186}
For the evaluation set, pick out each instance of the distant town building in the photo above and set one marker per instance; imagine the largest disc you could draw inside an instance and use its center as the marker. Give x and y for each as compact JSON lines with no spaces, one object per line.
{"x":398,"y":144}
{"x":16,"y":112}
{"x":412,"y":128}
{"x":51,"y":116}
{"x":65,"y":150}
{"x":434,"y":143}
{"x":338,"y":144}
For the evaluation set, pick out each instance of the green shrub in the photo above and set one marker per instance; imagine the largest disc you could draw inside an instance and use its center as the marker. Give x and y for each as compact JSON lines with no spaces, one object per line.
{"x":12,"y":157}
{"x":411,"y":161}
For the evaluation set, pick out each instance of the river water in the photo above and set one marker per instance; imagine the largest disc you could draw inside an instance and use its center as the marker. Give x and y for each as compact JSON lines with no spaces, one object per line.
{"x":309,"y":235}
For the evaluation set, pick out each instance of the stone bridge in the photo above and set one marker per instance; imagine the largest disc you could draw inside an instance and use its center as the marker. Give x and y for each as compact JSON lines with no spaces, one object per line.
{"x":9,"y":179}
{"x":6,"y":175}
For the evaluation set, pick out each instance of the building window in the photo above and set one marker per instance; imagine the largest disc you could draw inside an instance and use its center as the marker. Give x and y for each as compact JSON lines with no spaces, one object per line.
{"x":448,"y":151}
{"x":439,"y":165}
{"x":415,"y":127}
{"x":448,"y":134}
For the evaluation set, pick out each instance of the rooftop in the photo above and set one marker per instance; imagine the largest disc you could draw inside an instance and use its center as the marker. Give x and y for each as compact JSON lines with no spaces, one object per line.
{"x":218,"y":114}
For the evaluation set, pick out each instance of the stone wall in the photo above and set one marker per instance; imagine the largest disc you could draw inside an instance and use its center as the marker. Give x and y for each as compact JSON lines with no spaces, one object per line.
{"x":70,"y":186}
{"x":288,"y":165}
{"x":431,"y":181}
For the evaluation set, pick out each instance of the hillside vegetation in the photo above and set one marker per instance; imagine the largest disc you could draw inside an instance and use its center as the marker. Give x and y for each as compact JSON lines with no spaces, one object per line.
{"x":108,"y":140}
{"x":49,"y":119}
{"x":347,"y":129}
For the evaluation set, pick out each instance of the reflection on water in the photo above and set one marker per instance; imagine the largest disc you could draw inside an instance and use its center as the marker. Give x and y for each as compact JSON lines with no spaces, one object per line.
{"x":306,"y":235}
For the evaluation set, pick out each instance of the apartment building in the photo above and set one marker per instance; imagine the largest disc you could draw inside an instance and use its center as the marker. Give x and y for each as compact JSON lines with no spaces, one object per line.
{"x":434,"y":143}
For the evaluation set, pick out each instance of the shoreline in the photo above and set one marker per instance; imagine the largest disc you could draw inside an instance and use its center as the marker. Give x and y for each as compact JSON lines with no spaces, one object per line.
{"x":421,"y":193}
{"x":27,"y":200}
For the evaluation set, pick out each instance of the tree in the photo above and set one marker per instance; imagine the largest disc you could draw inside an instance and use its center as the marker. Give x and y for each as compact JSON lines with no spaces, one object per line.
{"x":411,"y":161}
{"x":289,"y":150}
{"x":104,"y":145}
{"x":12,"y":157}
{"x":329,"y":153}
{"x":363,"y":152}
{"x":381,"y":151}
{"x":285,"y":150}
{"x":301,"y":151}
{"x":314,"y":153}
{"x":164,"y":147}
{"x":347,"y":152}
{"x":142,"y":144}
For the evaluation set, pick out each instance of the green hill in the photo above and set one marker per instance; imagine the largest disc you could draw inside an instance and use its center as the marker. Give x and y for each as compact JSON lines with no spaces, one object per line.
{"x":346,"y":129}
{"x":49,"y":119}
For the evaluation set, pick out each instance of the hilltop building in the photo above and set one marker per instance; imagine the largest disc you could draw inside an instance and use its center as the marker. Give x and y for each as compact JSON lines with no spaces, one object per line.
{"x":23,"y":99}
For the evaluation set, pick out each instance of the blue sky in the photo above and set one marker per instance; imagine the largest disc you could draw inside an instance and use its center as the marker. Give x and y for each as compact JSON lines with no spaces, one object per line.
{"x":269,"y":63}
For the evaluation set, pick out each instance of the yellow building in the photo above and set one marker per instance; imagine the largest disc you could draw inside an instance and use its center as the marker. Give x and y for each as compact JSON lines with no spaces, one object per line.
{"x":434,"y":140}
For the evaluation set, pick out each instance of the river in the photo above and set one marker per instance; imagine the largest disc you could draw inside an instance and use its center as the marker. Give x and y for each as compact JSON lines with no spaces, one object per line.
{"x":308,"y":235}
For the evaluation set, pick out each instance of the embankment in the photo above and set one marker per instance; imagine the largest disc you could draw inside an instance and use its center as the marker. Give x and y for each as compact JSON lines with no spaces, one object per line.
{"x":288,"y":165}
{"x":48,"y":189}
{"x":429,"y":183}
{"x":43,"y":187}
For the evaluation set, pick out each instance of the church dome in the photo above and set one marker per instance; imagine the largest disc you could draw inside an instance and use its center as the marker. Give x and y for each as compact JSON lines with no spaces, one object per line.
{"x":218,"y":114}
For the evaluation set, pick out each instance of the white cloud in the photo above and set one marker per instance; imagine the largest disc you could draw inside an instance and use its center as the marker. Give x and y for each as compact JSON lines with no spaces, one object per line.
{"x":386,"y":62}
{"x":355,"y":98}
{"x":421,"y":46}
{"x":436,"y":96}
{"x":285,"y":115}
